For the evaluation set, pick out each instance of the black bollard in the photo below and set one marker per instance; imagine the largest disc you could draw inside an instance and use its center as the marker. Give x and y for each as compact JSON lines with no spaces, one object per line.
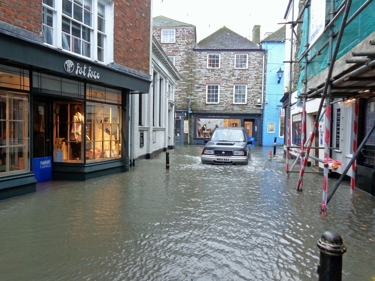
{"x":274,"y":146}
{"x":167,"y":159}
{"x":331,"y":251}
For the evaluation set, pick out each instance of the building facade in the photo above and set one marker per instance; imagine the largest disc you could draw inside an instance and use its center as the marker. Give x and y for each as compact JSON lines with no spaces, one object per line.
{"x":67,"y":73}
{"x":154,"y":113}
{"x":273,"y":110}
{"x":337,"y":87}
{"x":222,"y":80}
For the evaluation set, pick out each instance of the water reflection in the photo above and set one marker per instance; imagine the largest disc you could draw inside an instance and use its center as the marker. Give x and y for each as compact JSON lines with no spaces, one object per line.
{"x":191,"y":222}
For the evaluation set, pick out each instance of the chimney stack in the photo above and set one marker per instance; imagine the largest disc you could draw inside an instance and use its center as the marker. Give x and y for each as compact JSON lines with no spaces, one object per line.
{"x":256,"y":34}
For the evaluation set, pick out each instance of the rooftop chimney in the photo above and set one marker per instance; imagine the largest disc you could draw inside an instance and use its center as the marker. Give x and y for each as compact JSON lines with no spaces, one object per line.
{"x":256,"y":34}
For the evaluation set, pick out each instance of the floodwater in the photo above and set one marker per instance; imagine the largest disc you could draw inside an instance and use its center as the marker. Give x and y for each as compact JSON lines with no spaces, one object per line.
{"x":190,"y":222}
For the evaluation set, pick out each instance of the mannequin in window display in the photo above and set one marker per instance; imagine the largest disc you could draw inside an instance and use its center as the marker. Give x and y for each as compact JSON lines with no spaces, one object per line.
{"x":76,"y":132}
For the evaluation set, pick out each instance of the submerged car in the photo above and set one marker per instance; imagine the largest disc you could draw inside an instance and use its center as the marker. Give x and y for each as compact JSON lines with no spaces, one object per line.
{"x":227,"y":146}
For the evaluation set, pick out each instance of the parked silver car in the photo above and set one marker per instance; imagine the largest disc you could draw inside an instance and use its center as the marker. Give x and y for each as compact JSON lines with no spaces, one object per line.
{"x":227,"y":146}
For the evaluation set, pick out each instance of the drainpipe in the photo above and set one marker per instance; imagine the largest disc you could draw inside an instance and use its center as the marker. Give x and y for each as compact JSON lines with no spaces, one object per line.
{"x":132,"y":127}
{"x":263,"y":69}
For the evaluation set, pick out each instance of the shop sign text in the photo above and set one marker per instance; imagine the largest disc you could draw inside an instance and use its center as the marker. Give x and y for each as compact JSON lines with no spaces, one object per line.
{"x":81,"y":70}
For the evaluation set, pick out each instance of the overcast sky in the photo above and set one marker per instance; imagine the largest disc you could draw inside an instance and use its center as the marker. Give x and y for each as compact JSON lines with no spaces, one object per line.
{"x":238,"y":15}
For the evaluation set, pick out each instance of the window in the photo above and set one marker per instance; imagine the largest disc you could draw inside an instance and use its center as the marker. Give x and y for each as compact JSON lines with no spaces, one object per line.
{"x":206,"y":126}
{"x":296,"y":128}
{"x":337,"y":128}
{"x":78,"y":26}
{"x":213,"y":61}
{"x":240,"y":94}
{"x":14,"y":132}
{"x":282,"y":122}
{"x":241,"y":61}
{"x":212,"y":95}
{"x":172,"y":59}
{"x":168,"y":36}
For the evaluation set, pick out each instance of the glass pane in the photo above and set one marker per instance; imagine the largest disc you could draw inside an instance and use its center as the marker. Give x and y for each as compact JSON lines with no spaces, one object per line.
{"x":101,"y":10}
{"x":86,"y":34}
{"x":76,"y":29}
{"x":77,"y":46}
{"x":87,"y":19}
{"x":101,"y":24}
{"x":66,"y":25}
{"x":100,"y":40}
{"x":49,"y":3}
{"x":77,"y":12}
{"x":67,"y":7}
{"x":100,"y":54}
{"x":48,"y":35}
{"x":65,"y":41}
{"x":88,"y":5}
{"x":86,"y":49}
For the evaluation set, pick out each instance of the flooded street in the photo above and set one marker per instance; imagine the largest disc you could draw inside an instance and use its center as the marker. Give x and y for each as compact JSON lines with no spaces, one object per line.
{"x":191,"y":222}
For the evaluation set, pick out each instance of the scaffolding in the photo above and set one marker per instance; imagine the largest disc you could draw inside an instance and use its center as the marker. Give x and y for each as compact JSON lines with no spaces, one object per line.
{"x":354,"y":82}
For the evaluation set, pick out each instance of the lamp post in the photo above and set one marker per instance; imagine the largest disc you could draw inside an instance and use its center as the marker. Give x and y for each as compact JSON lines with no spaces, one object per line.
{"x":279,"y":75}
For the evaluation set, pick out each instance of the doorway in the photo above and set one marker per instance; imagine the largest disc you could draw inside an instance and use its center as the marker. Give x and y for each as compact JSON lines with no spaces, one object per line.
{"x":42,"y":124}
{"x":249,"y":127}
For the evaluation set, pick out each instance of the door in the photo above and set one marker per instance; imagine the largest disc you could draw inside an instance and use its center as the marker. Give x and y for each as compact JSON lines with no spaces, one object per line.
{"x":42,"y":128}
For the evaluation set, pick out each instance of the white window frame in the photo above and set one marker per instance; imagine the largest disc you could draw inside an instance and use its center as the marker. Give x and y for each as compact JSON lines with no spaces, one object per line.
{"x":168,"y":36}
{"x":236,"y":93}
{"x":207,"y":93}
{"x":210,"y":58}
{"x":237,"y":60}
{"x":57,"y":11}
{"x":172,"y":59}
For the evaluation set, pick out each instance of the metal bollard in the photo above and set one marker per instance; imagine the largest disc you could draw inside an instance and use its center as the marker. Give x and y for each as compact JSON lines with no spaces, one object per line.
{"x":167,"y":159}
{"x":331,"y":251}
{"x":274,"y":145}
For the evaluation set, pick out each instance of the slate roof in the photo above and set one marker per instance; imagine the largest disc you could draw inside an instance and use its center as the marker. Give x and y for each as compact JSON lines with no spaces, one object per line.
{"x":168,"y":22}
{"x":225,"y":39}
{"x":277,"y":36}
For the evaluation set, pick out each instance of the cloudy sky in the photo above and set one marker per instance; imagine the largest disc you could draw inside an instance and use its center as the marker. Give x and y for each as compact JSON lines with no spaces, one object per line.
{"x":238,"y":15}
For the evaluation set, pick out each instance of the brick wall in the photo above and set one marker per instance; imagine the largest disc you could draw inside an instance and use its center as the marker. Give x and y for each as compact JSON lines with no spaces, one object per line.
{"x":132,"y":25}
{"x":24,"y":14}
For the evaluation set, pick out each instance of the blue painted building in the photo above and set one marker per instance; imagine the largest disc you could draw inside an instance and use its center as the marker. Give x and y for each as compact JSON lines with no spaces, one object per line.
{"x":273,"y":112}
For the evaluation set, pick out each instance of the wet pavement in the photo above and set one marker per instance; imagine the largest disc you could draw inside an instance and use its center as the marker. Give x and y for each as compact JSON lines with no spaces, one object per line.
{"x":190,"y":222}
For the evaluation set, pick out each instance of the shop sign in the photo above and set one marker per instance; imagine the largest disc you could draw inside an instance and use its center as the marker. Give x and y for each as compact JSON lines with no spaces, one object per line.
{"x":81,"y":70}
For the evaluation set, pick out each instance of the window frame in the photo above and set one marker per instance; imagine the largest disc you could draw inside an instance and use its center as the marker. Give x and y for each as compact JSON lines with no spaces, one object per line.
{"x":236,"y":59}
{"x":235,"y":94}
{"x":211,"y":64}
{"x":168,"y":38}
{"x":100,"y":43}
{"x":207,"y":94}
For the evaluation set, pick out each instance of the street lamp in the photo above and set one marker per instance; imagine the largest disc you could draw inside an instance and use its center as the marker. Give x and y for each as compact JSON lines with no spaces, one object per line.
{"x":279,"y":75}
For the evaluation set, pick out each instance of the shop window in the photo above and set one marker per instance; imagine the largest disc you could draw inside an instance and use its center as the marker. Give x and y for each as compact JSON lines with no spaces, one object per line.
{"x":296,"y":129}
{"x":14,"y":78}
{"x":95,"y":138}
{"x":282,"y":122}
{"x":206,"y":126}
{"x":14,"y":132}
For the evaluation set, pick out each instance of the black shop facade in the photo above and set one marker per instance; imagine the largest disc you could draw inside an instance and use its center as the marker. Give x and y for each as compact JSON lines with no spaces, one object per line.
{"x":61,"y":117}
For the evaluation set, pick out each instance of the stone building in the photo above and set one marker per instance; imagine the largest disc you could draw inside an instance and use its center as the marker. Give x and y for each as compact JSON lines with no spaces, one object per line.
{"x":223,"y":81}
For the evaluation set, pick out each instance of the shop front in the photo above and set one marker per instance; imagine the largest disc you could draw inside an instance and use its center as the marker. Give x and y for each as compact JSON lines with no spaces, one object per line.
{"x":61,"y":117}
{"x":205,"y":124}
